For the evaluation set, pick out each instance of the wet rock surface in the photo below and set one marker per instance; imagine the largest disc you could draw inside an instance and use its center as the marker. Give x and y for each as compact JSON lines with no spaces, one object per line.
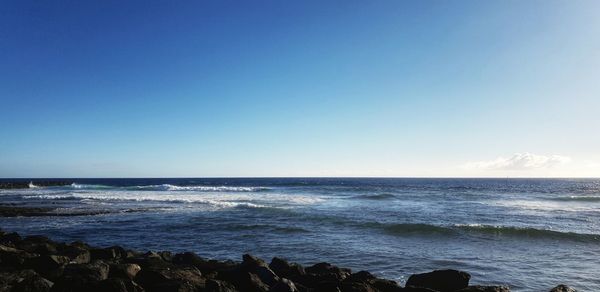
{"x":37,"y":263}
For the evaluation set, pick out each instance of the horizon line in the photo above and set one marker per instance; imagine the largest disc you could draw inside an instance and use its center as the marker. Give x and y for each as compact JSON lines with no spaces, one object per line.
{"x":310,"y":177}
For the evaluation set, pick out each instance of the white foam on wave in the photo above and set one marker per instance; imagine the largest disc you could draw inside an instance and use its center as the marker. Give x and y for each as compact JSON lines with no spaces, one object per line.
{"x":169,"y":187}
{"x":137,"y":198}
{"x":221,"y":200}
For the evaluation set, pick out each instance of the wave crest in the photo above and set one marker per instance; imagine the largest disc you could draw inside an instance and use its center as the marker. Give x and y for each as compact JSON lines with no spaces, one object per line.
{"x":400,"y":229}
{"x":170,"y":187}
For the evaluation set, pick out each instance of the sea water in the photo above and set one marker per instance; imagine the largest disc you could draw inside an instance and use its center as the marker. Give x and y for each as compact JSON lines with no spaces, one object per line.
{"x":530,"y":234}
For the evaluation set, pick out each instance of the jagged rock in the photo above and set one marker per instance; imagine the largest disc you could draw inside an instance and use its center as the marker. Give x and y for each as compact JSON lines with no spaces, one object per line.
{"x":33,"y":283}
{"x":149,"y":260}
{"x":260,"y":268}
{"x":244,"y":281}
{"x":213,"y":285}
{"x":357,"y":287}
{"x":362,"y":276}
{"x":285,"y":269}
{"x":124,"y":271}
{"x":117,"y":285}
{"x":81,"y":245}
{"x":417,"y":289}
{"x":284,"y":285}
{"x":109,"y":253}
{"x":478,"y":288}
{"x":78,"y":255}
{"x":328,"y":269}
{"x":440,"y":280}
{"x":205,"y":266}
{"x":24,"y":280}
{"x":152,"y":254}
{"x":49,"y":266}
{"x":12,"y":257}
{"x":373,"y":282}
{"x":167,"y":277}
{"x":563,"y":288}
{"x":166,"y":255}
{"x":328,"y":286}
{"x":37,"y":244}
{"x":188,"y":258}
{"x":10,"y":239}
{"x":78,"y":277}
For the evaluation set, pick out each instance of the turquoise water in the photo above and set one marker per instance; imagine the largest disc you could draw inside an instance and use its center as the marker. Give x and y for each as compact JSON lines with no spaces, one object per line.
{"x":530,"y":234}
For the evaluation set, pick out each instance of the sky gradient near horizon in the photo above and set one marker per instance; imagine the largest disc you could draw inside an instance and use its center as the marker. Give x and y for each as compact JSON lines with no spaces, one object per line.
{"x":299,"y":88}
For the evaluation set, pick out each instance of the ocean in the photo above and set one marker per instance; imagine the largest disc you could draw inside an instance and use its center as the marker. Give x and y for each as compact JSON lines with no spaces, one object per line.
{"x":530,"y":234}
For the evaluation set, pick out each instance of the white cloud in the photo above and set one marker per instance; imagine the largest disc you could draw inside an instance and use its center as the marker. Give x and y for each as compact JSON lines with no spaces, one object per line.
{"x":519,"y":161}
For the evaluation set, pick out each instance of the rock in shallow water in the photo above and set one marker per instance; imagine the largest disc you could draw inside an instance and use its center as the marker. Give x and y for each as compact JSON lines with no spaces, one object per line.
{"x":440,"y":280}
{"x":563,"y":288}
{"x":285,"y":269}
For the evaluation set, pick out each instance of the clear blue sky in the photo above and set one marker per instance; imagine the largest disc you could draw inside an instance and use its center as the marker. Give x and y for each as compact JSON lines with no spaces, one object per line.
{"x":299,"y":88}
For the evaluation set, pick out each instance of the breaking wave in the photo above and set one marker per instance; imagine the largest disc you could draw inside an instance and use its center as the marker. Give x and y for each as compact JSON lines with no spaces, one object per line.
{"x":133,"y":198}
{"x":170,"y":187}
{"x":400,"y":229}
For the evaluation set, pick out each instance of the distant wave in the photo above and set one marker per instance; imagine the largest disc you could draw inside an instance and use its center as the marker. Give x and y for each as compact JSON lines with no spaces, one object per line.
{"x":400,"y":229}
{"x":526,"y":232}
{"x":169,"y":187}
{"x":383,"y":196}
{"x":578,"y":198}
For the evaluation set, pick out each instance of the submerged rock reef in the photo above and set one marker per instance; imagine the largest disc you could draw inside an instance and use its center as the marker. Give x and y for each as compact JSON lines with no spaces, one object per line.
{"x":36,"y":263}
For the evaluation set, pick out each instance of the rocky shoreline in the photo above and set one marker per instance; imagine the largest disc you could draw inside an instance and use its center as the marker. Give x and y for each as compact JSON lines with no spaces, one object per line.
{"x":36,"y":263}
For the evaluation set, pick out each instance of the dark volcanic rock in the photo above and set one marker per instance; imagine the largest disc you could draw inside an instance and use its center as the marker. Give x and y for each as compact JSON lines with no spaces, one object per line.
{"x":170,"y":278}
{"x":364,"y":277}
{"x":11,"y":257}
{"x":259,"y":268}
{"x":327,"y":269}
{"x":124,"y":271}
{"x":77,"y":253}
{"x":109,"y":253}
{"x":205,"y":266}
{"x":478,"y":288}
{"x":285,"y":269}
{"x":284,"y":285}
{"x":563,"y":288}
{"x":440,"y":280}
{"x":117,"y":285}
{"x":24,"y":280}
{"x":244,"y":281}
{"x":80,"y":277}
{"x":10,"y":239}
{"x":50,"y":266}
{"x":213,"y":285}
{"x":33,"y":283}
{"x":357,"y":287}
{"x":417,"y":289}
